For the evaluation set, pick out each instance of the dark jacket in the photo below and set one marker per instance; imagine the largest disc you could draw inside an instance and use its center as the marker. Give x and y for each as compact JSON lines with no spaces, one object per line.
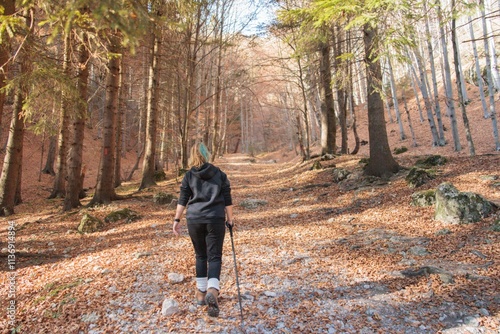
{"x":206,"y":192}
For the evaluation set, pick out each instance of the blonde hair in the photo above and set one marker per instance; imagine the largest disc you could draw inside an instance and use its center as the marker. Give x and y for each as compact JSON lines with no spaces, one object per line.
{"x":199,"y":155}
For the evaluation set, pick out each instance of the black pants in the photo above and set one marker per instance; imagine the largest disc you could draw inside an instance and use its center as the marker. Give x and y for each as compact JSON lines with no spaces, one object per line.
{"x":208,"y":240}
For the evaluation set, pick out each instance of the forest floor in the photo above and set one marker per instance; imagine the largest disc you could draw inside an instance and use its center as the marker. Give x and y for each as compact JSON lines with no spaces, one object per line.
{"x":319,"y":257}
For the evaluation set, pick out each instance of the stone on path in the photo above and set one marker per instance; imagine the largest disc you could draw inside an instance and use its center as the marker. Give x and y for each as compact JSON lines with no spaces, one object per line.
{"x":169,"y":307}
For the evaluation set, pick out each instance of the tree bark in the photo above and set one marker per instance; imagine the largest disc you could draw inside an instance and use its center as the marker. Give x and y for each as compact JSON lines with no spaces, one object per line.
{"x":59,"y":189}
{"x":328,"y":121}
{"x":105,"y":190}
{"x":491,"y":91}
{"x":149,"y":162}
{"x":51,"y":157}
{"x":9,"y":6}
{"x":75,"y":157}
{"x":382,"y":163}
{"x":450,"y":104}
{"x":461,"y":100}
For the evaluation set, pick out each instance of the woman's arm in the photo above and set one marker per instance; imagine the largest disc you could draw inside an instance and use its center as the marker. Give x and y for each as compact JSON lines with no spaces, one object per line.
{"x":177,"y":219}
{"x":229,"y":215}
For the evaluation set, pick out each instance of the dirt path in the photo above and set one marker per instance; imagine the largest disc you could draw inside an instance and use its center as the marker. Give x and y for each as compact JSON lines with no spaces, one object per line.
{"x":313,"y":257}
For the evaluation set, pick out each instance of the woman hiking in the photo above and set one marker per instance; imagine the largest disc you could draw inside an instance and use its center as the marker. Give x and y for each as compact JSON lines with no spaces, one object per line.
{"x":206,"y":192}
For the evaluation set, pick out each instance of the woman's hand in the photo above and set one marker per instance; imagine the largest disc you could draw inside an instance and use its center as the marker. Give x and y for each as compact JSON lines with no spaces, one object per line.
{"x":177,"y":228}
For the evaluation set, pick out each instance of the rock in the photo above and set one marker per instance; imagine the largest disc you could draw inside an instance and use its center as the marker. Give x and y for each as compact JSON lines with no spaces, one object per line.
{"x":417,"y":177}
{"x":418,"y":251}
{"x":175,"y":278}
{"x":446,"y":278}
{"x":90,"y":317}
{"x":327,"y":157}
{"x":169,"y":307}
{"x":316,"y":166}
{"x":90,"y":224}
{"x":423,"y":198}
{"x":270,"y":294}
{"x":142,"y":254}
{"x":127,"y":214}
{"x":163,"y":198}
{"x":340,"y":174}
{"x":456,"y":207}
{"x":431,"y":161}
{"x":252,"y":203}
{"x":294,"y":215}
{"x":444,"y":231}
{"x":496,"y":226}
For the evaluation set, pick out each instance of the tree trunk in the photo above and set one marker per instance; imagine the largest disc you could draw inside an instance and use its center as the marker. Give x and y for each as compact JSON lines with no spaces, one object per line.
{"x":304,"y":139}
{"x":51,"y":157}
{"x":426,"y":98}
{"x":337,"y":42}
{"x":394,"y":93}
{"x":59,"y":189}
{"x":448,"y":84}
{"x":9,"y":7}
{"x":437,"y":107}
{"x":461,"y":101}
{"x":492,"y":15}
{"x":149,"y":163}
{"x":105,"y":190}
{"x":328,"y":121}
{"x":413,"y":78}
{"x":120,"y":116}
{"x":381,"y":162}
{"x":489,"y":78}
{"x":75,"y":157}
{"x":414,"y":140}
{"x":477,"y":66}
{"x":9,"y":178}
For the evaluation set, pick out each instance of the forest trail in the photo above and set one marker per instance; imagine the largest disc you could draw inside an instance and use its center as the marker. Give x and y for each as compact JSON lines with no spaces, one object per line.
{"x":314,"y":256}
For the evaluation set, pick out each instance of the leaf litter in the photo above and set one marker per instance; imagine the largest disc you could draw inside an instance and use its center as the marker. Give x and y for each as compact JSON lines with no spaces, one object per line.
{"x":315,"y":257}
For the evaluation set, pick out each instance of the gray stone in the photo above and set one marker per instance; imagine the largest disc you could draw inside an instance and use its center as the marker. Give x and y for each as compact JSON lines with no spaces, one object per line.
{"x":418,"y":251}
{"x":340,"y":174}
{"x":423,"y":198}
{"x":175,"y":278}
{"x":253,"y":203}
{"x":90,"y":317}
{"x":123,"y":214}
{"x":456,"y":207}
{"x":417,"y":177}
{"x":169,"y":307}
{"x":163,"y":198}
{"x":90,"y":224}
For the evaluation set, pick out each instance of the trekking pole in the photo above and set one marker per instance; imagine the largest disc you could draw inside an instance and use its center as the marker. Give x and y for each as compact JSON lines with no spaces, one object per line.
{"x":235,"y":270}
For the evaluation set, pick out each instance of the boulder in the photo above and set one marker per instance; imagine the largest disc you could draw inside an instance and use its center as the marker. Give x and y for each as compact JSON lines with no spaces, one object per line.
{"x":417,"y":177}
{"x":163,"y":198}
{"x":122,"y":214}
{"x":316,"y":166}
{"x":424,"y":198}
{"x":431,"y":161}
{"x":340,"y":174}
{"x":252,"y":203}
{"x":455,"y":207}
{"x":90,"y":224}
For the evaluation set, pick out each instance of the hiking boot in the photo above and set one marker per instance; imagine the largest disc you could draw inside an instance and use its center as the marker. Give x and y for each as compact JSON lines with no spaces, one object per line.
{"x":200,"y":297}
{"x":211,"y":300}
